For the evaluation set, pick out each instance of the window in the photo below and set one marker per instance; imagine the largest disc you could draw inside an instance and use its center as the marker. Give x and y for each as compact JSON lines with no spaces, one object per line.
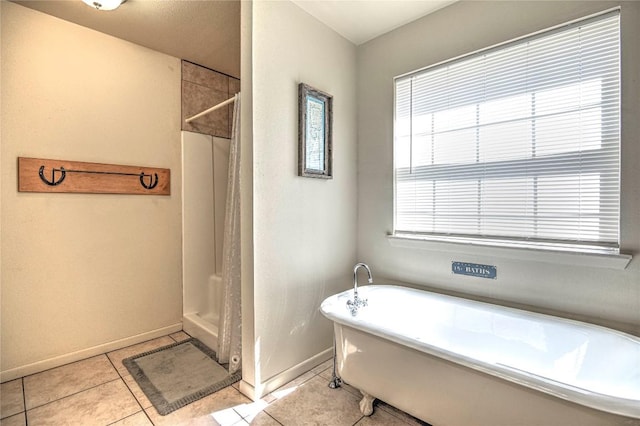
{"x":517,"y":145}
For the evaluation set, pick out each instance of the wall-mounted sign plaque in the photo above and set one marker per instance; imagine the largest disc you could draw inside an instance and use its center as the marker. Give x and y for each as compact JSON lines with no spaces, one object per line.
{"x":474,"y":270}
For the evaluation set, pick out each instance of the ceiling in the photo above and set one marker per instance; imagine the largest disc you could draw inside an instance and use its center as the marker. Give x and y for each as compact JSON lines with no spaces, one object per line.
{"x":362,"y":20}
{"x":207,"y":32}
{"x":203,"y":32}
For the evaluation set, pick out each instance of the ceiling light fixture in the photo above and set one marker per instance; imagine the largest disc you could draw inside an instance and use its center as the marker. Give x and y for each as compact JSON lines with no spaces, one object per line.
{"x":104,"y":4}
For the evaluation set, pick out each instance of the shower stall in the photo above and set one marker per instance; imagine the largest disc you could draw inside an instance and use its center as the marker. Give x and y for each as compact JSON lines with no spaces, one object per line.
{"x":205,"y":163}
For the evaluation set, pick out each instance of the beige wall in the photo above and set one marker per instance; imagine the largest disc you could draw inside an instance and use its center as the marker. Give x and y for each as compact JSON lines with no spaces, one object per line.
{"x":601,"y":295}
{"x":81,"y":273}
{"x":304,"y":229}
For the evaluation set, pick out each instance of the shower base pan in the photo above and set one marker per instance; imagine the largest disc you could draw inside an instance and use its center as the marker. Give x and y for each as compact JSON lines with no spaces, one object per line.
{"x":201,"y":328}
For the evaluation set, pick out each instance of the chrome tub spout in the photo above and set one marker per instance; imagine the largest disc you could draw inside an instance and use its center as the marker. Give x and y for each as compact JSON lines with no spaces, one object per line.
{"x":357,"y":302}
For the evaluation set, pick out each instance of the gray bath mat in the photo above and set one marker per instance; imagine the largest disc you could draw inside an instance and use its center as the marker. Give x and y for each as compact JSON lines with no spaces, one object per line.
{"x":179,"y":374}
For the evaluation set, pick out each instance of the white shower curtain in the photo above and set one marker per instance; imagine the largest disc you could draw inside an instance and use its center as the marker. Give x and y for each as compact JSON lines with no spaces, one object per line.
{"x":230,"y":327}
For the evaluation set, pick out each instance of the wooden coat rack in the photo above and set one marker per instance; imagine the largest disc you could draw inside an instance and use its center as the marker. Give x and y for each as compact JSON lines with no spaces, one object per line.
{"x":40,"y":175}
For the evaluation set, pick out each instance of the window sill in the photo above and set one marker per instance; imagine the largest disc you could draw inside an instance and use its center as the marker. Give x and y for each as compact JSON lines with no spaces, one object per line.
{"x":596,"y":260}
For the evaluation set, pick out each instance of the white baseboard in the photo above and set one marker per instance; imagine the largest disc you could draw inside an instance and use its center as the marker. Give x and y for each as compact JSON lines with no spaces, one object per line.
{"x":47,"y":364}
{"x":255,"y":392}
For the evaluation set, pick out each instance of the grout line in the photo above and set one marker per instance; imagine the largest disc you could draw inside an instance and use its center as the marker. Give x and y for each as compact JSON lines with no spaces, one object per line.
{"x":60,"y":366}
{"x":24,"y":402}
{"x":137,"y":402}
{"x":126,"y":417}
{"x":274,"y":419}
{"x":114,"y":367}
{"x":148,"y":418}
{"x":75,"y":393}
{"x":131,"y":392}
{"x":181,"y":331}
{"x":358,"y":421}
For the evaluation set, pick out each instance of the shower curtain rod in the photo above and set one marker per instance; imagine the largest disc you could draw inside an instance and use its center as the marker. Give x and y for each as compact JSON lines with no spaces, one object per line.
{"x":213,"y":108}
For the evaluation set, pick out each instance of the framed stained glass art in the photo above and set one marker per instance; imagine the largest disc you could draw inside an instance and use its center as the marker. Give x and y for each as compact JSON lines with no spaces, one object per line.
{"x":315,"y":120}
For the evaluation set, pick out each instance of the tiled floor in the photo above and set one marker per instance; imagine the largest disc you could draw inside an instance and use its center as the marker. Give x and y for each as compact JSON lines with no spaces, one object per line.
{"x":100,"y":391}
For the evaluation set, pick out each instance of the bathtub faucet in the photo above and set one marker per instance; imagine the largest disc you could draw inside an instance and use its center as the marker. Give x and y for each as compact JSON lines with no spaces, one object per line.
{"x":356,"y":303}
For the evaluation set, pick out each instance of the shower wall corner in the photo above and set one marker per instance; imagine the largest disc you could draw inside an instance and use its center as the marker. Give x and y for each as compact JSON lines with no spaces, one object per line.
{"x":204,"y":182}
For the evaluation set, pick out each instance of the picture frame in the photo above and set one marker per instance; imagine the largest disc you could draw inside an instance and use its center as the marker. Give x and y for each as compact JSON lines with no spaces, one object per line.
{"x":315,"y":133}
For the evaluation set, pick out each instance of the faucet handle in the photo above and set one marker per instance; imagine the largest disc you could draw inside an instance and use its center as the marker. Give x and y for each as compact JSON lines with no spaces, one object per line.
{"x":356,"y":303}
{"x":353,"y":307}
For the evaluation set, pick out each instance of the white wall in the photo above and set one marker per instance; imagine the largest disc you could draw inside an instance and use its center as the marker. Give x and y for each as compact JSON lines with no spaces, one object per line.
{"x":304,"y":229}
{"x":606,"y":296}
{"x":82,"y":273}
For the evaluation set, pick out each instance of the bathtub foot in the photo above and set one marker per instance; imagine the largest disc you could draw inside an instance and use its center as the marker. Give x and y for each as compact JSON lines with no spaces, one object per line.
{"x":366,"y":404}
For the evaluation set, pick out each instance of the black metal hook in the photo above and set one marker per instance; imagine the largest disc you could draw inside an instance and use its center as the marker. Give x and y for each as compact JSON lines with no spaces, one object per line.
{"x":53,"y":181}
{"x":153,"y":180}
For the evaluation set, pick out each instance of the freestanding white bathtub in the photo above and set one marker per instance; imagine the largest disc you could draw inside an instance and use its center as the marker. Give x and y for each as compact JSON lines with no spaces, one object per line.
{"x":453,"y":361}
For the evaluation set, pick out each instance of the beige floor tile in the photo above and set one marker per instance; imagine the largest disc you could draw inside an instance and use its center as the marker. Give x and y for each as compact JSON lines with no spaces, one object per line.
{"x":180,"y":336}
{"x":346,"y":386}
{"x":117,"y":356}
{"x":381,"y":418}
{"x":11,"y":398}
{"x":17,"y":420}
{"x":320,"y":404}
{"x":90,"y":393}
{"x":327,"y":375}
{"x":101,"y":405}
{"x":228,"y":417}
{"x":327,"y":365}
{"x":406,"y":418}
{"x":251,"y":409}
{"x":262,"y":419}
{"x":289,"y":387}
{"x":50,"y":385}
{"x":137,"y":392}
{"x":138,"y":419}
{"x":203,"y":411}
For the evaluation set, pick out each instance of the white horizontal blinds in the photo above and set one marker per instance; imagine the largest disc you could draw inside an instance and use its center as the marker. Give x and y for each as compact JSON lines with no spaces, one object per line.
{"x":519,"y":142}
